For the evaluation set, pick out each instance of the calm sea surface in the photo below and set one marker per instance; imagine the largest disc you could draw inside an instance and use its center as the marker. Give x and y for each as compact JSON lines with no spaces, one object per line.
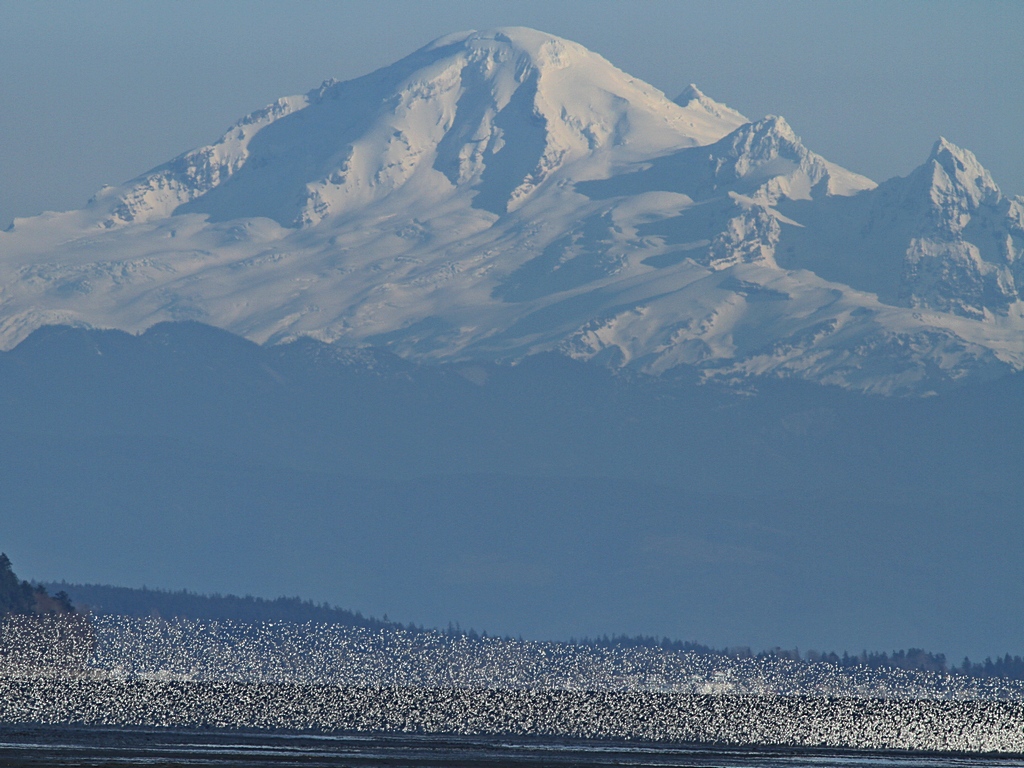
{"x":108,"y":746}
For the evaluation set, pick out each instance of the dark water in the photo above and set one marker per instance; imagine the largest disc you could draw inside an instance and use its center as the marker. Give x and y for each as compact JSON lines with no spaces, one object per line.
{"x":109,"y":746}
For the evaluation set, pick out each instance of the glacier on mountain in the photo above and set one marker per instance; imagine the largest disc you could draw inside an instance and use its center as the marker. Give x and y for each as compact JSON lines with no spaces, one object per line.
{"x":498,"y":194}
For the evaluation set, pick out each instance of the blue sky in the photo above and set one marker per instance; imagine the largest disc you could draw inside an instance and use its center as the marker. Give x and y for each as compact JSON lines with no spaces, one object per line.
{"x":97,"y":92}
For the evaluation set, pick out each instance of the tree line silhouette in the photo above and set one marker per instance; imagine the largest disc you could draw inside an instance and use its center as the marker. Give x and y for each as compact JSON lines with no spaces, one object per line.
{"x":21,"y":597}
{"x":913,"y":659}
{"x":183,"y":604}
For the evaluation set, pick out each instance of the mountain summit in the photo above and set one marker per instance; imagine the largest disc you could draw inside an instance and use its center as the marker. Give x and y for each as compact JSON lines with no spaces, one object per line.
{"x":502,"y":193}
{"x":490,"y":115}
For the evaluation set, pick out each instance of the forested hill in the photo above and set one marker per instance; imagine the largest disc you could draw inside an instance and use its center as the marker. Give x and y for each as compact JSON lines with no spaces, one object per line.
{"x":126,"y":601}
{"x":144,"y":602}
{"x":17,"y":596}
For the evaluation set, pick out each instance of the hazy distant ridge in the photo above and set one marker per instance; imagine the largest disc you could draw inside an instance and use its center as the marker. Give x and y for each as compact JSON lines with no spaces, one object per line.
{"x":535,"y":499}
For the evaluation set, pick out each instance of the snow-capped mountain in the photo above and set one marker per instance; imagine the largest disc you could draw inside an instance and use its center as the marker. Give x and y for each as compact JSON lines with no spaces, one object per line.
{"x":497,"y":194}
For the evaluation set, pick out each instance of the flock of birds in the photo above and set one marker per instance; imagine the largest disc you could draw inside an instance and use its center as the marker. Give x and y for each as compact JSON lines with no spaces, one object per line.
{"x":327,"y":677}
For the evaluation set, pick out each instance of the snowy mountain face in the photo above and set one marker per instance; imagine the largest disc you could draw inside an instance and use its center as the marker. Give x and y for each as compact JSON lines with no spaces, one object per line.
{"x":942,"y":239}
{"x":498,"y":194}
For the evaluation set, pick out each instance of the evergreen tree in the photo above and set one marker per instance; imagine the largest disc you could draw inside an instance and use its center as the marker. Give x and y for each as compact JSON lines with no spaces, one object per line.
{"x":15,"y":596}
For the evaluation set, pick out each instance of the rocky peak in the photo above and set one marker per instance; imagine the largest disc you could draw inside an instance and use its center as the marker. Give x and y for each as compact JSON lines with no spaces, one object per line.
{"x":956,"y":186}
{"x":769,"y":156}
{"x":961,"y":169}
